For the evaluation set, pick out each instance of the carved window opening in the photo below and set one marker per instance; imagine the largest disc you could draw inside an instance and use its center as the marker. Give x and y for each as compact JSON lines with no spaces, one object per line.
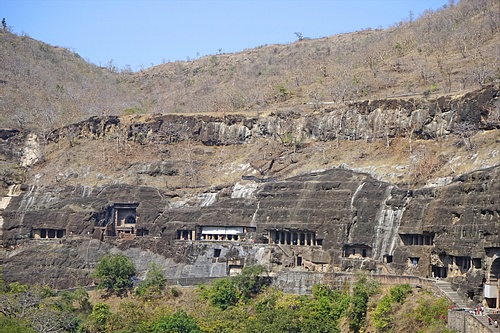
{"x":185,"y":234}
{"x":463,"y":263}
{"x":439,"y":272}
{"x":226,"y":233}
{"x":387,"y":259}
{"x":235,"y":269}
{"x":130,"y":219}
{"x":125,"y":214}
{"x":217,"y":253}
{"x":299,"y":261}
{"x":48,"y":233}
{"x":494,"y":271}
{"x":357,"y":251}
{"x":413,"y":261}
{"x":417,"y":239}
{"x":142,"y":232}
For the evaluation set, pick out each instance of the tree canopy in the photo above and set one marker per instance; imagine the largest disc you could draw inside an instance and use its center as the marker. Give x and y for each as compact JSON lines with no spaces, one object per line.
{"x":114,"y":273}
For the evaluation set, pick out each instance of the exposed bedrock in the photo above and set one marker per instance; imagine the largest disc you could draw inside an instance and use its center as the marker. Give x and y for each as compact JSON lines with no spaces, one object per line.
{"x":367,"y":120}
{"x":323,"y":221}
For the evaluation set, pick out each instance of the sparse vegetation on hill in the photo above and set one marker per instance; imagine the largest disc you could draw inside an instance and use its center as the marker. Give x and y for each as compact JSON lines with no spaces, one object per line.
{"x":452,"y":49}
{"x":43,"y":87}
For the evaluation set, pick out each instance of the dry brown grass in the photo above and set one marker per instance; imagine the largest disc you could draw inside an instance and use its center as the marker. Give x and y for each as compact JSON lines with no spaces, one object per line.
{"x":449,"y":50}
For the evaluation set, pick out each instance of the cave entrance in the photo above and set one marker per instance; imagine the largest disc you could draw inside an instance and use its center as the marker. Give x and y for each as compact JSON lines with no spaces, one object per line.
{"x":48,"y":233}
{"x":439,"y":272}
{"x":387,"y":258}
{"x":299,"y":261}
{"x":185,"y":234}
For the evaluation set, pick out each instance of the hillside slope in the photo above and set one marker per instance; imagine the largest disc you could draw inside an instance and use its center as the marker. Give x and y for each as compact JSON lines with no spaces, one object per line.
{"x":451,"y":50}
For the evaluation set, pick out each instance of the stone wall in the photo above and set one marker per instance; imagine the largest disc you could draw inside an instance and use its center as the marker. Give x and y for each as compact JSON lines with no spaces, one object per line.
{"x":464,"y":322}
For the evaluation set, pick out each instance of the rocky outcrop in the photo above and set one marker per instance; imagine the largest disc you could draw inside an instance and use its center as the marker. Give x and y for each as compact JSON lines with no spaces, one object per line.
{"x":334,"y":220}
{"x":366,"y":120}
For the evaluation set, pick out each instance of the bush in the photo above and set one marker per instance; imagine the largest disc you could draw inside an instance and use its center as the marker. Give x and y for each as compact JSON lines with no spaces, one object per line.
{"x":228,"y":291}
{"x":115,"y":273}
{"x":9,"y":325}
{"x":363,"y":289}
{"x":179,"y":322}
{"x":382,"y":318}
{"x":154,"y":283}
{"x":97,"y":321}
{"x":222,"y":293}
{"x":400,"y":292}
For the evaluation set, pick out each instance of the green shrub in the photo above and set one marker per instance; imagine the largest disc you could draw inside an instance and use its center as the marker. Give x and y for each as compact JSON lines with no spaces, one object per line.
{"x":179,"y":322}
{"x":114,"y":273}
{"x":153,"y":284}
{"x":400,"y":292}
{"x":382,"y":317}
{"x":226,"y":292}
{"x":175,"y":292}
{"x":363,"y":289}
{"x":97,"y":321}
{"x":11,"y":324}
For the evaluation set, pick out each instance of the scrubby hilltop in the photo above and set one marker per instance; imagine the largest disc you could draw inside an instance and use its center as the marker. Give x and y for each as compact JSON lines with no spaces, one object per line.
{"x":450,"y":50}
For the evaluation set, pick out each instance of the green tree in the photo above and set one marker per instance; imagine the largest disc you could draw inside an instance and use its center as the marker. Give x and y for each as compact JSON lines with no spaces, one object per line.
{"x":400,"y":292}
{"x":97,"y":321}
{"x":179,"y":322}
{"x":35,"y":308}
{"x":114,"y":273}
{"x":275,"y":320}
{"x":10,"y":325}
{"x":382,"y":317}
{"x":250,"y":282}
{"x":322,"y":312}
{"x":222,"y":293}
{"x":154,"y":283}
{"x":226,"y":292}
{"x":363,"y":289}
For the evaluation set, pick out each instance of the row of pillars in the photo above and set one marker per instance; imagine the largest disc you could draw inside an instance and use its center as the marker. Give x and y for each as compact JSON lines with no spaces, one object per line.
{"x":418,"y":239}
{"x":292,"y":237}
{"x":49,"y":233}
{"x":186,"y":234}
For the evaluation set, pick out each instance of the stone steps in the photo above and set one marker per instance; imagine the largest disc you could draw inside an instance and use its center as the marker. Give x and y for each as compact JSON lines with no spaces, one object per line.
{"x":484,"y":321}
{"x":451,"y":294}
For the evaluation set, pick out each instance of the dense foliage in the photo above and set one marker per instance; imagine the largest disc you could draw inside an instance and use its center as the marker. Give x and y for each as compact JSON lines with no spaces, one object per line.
{"x":114,"y":273}
{"x":240,"y":304}
{"x":229,"y":291}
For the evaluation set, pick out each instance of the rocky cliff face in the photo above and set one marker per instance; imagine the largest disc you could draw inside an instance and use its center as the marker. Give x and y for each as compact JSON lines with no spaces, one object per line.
{"x":334,"y":220}
{"x":365,"y":120}
{"x":278,"y":215}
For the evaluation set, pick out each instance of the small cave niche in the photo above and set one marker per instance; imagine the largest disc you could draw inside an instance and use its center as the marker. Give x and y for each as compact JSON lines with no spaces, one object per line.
{"x":476,"y":262}
{"x":217,"y":253}
{"x":387,"y":259}
{"x":413,"y":261}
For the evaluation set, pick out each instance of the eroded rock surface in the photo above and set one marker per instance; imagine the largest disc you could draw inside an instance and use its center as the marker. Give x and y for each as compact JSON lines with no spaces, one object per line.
{"x":335,"y":220}
{"x":324,"y":221}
